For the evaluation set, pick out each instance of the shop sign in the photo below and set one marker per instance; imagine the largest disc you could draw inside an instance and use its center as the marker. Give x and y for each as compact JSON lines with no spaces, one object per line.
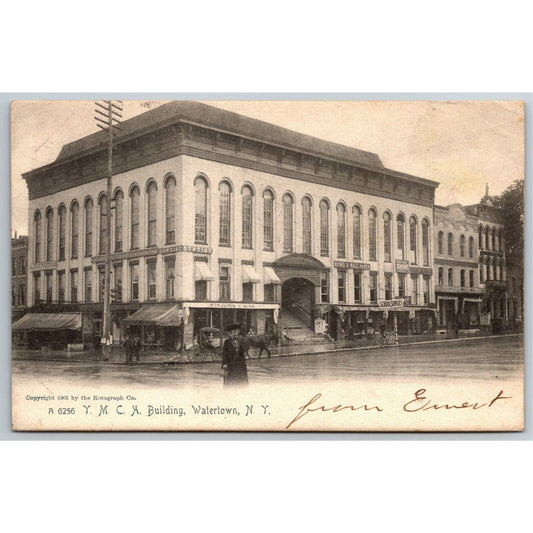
{"x":230,"y":305}
{"x":402,"y":265}
{"x":426,"y":271}
{"x":188,"y":335}
{"x":350,"y":264}
{"x":398,"y":302}
{"x":320,"y":326}
{"x":484,"y":319}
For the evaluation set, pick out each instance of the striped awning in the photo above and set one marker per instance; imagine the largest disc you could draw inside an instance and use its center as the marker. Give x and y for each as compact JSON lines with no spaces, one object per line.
{"x":48,"y":322}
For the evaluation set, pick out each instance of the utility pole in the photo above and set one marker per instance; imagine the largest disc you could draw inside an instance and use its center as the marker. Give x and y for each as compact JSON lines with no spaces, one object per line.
{"x":108,"y":117}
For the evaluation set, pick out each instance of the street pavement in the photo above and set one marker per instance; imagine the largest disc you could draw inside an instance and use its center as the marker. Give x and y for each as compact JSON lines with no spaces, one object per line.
{"x":477,"y":359}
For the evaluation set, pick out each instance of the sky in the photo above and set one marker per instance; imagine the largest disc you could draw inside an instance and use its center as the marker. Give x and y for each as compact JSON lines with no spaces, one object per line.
{"x":462,"y":145}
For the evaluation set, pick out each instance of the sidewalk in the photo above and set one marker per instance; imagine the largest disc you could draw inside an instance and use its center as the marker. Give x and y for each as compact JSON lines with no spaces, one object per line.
{"x":118,"y":355}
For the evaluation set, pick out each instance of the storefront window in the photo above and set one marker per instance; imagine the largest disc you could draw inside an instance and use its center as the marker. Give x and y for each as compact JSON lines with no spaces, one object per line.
{"x":357,"y":286}
{"x":151,"y":275}
{"x":388,"y":286}
{"x":224,"y":283}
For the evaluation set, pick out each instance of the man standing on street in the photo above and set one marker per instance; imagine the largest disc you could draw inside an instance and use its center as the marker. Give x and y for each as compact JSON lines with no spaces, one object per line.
{"x":233,"y":359}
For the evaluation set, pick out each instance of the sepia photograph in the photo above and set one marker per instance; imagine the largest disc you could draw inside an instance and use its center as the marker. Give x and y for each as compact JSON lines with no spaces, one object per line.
{"x":267,"y":265}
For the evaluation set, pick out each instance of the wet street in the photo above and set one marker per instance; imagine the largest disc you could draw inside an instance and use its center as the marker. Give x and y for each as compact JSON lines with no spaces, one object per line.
{"x":491,"y":358}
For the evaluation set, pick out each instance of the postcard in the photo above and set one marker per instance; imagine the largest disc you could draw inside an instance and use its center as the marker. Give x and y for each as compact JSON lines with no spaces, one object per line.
{"x":267,"y":265}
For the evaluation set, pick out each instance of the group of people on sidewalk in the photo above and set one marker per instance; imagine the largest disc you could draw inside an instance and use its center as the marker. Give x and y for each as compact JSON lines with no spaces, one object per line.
{"x":133,"y":348}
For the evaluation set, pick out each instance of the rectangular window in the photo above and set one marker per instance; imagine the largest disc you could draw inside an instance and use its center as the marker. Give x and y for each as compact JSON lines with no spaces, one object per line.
{"x":357,"y":286}
{"x":463,"y":278}
{"x":73,"y":285}
{"x":48,"y":281}
{"x":170,"y":269}
{"x":151,"y":275}
{"x":270,"y":292}
{"x":414,"y":289}
{"x":247,"y":292}
{"x":324,"y":287}
{"x":37,"y":287}
{"x":224,"y":283}
{"x":61,"y":286}
{"x":401,"y":285}
{"x":88,"y":281}
{"x":388,"y":286}
{"x":118,"y":282}
{"x":341,"y":286}
{"x":471,"y":275}
{"x":426,"y":290}
{"x":200,"y":290}
{"x":134,"y":280}
{"x":373,"y":287}
{"x":101,"y":284}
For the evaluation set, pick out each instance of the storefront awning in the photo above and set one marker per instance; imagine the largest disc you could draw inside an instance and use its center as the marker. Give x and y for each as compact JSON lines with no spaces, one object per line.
{"x":202,"y":272}
{"x":156,"y":315}
{"x":271,"y":277}
{"x":48,"y":322}
{"x":249,"y":275}
{"x":473,"y":300}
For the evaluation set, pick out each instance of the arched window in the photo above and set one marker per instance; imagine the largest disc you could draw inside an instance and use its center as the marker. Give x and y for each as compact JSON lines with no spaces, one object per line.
{"x":170,"y":210}
{"x":450,"y":244}
{"x":200,"y":211}
{"x":412,"y":240}
{"x":102,"y":205}
{"x":481,"y":270}
{"x":440,"y":243}
{"x":400,"y":236}
{"x":425,"y":242}
{"x":471,"y":247}
{"x":306,"y":225}
{"x":450,"y":277}
{"x":224,"y":190}
{"x":37,"y":231}
{"x":49,"y":234}
{"x":463,"y":278}
{"x":494,"y":248}
{"x":372,"y":235}
{"x":356,"y":213}
{"x":62,"y":214}
{"x":89,"y":227}
{"x":119,"y":217}
{"x":287,"y":222}
{"x":387,"y":236}
{"x":462,"y":245}
{"x":268,"y":220}
{"x":441,"y":276}
{"x":341,"y":230}
{"x":487,"y":238}
{"x":134,"y":217}
{"x":480,"y":237}
{"x":74,"y":229}
{"x":471,"y":278}
{"x":324,"y":227}
{"x":247,"y":216}
{"x":152,"y":213}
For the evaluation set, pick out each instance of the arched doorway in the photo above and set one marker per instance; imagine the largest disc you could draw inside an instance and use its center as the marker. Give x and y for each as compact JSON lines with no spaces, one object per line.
{"x":298,"y":297}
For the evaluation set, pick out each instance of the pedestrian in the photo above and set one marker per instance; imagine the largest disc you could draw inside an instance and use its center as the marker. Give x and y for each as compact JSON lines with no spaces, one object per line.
{"x":128,"y":345}
{"x":233,"y":359}
{"x":137,"y":349}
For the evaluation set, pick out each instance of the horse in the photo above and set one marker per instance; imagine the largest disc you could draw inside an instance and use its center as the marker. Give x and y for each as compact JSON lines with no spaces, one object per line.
{"x":257,"y":341}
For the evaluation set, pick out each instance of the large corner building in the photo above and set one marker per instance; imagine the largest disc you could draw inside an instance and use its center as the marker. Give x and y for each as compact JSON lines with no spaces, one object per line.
{"x":219,"y":218}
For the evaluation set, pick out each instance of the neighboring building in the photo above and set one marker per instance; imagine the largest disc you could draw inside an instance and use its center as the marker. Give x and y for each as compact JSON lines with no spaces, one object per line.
{"x":458,"y":290}
{"x":19,"y":276}
{"x":220,"y":218}
{"x":492,"y":263}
